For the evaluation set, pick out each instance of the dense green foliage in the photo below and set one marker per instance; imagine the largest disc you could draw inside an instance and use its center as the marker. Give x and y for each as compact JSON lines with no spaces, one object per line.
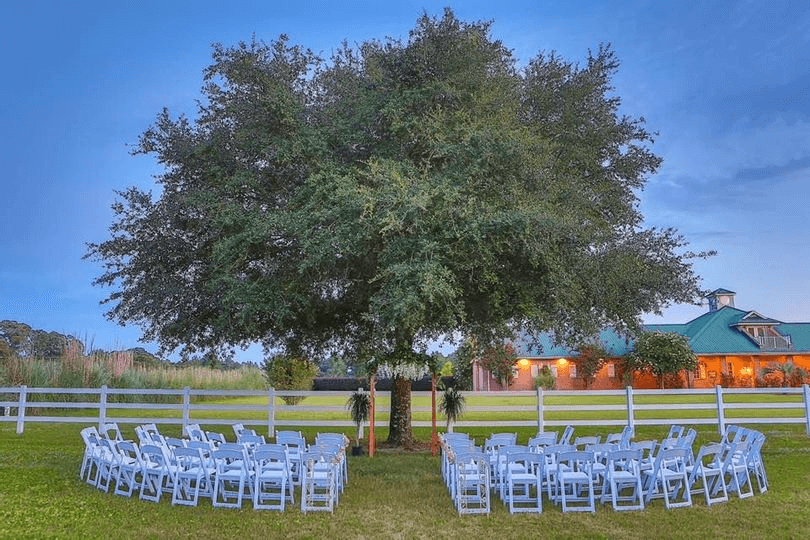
{"x":359,"y":407}
{"x":289,"y":373}
{"x":500,"y":361}
{"x":590,"y":360}
{"x":545,"y":379}
{"x":452,"y":405}
{"x":790,"y":373}
{"x":20,"y":340}
{"x":663,"y":353}
{"x":398,"y":192}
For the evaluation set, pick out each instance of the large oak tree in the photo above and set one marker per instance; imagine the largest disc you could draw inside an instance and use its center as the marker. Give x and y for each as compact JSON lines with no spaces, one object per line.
{"x":397,"y":192}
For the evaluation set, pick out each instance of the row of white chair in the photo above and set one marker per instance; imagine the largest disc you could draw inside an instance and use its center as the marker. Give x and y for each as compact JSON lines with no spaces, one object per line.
{"x":204,"y":466}
{"x":626,"y":474}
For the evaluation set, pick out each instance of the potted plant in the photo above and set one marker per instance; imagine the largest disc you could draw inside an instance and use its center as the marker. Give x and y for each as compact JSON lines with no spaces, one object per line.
{"x":452,"y":405}
{"x":359,"y":405}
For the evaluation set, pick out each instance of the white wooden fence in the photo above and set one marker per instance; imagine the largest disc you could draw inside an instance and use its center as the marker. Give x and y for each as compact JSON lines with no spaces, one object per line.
{"x":628,"y":407}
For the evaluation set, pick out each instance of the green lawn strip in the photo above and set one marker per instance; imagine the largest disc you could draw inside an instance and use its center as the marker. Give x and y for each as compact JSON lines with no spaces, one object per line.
{"x":390,"y":496}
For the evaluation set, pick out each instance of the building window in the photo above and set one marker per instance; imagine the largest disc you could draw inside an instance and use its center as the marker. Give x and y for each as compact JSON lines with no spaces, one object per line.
{"x":535,"y":370}
{"x":700,"y":372}
{"x":730,"y":368}
{"x":554,"y":371}
{"x":573,"y":371}
{"x":611,"y":369}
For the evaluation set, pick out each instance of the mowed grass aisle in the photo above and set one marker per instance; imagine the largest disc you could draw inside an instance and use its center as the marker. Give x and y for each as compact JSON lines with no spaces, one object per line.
{"x":391,"y":496}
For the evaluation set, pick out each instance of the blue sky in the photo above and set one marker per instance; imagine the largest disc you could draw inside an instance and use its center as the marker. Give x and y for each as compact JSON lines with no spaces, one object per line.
{"x":725,"y":84}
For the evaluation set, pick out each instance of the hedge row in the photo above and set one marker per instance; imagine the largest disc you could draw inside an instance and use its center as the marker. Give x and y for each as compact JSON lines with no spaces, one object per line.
{"x":353,"y":383}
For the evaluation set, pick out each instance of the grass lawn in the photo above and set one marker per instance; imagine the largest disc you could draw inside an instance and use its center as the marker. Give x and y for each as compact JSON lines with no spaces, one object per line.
{"x":390,"y":496}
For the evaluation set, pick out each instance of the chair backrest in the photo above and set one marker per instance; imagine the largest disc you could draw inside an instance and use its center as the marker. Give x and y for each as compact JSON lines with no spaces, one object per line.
{"x":625,"y":460}
{"x":196,"y":434}
{"x":647,"y":447}
{"x":675,"y":459}
{"x":226,"y":459}
{"x":497,"y":440}
{"x":206,"y":447}
{"x":174,"y":442}
{"x":532,"y":462}
{"x":567,"y":433}
{"x":90,"y":435}
{"x":543,"y":439}
{"x":265,"y":458}
{"x":709,"y":454}
{"x":601,"y":451}
{"x":582,"y":442}
{"x":236,"y":447}
{"x":335,"y":438}
{"x":215,"y":438}
{"x":283,"y":434}
{"x":552,"y":452}
{"x":675,"y":431}
{"x":188,"y":428}
{"x":622,"y":438}
{"x":150,"y":428}
{"x":246,"y":439}
{"x":110,"y":431}
{"x":129,"y":454}
{"x":731,"y":433}
{"x":187,"y":458}
{"x":240,"y":428}
{"x":577,"y":460}
{"x":153,"y":456}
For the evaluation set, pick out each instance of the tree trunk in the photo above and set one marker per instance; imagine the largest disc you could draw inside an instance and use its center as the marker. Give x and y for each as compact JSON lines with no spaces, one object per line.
{"x":399,"y":425}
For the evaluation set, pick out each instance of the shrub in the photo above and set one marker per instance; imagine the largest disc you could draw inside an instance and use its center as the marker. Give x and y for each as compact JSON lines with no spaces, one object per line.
{"x":452,"y":405}
{"x":545,"y":379}
{"x":289,"y":373}
{"x":499,"y":361}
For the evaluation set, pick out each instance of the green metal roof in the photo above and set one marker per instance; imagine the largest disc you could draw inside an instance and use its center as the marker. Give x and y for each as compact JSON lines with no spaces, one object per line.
{"x":711,"y":333}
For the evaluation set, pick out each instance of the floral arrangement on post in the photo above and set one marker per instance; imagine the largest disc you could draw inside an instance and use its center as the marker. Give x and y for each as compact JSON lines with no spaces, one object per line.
{"x":359,"y":406}
{"x":452,"y":405}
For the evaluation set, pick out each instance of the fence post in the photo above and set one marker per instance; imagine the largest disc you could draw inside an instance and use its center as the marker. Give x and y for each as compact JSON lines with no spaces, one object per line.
{"x":186,"y":408}
{"x":102,"y":407}
{"x":721,"y":413}
{"x":631,"y":413}
{"x":806,"y":392}
{"x":541,"y":424}
{"x":271,"y":411}
{"x":21,"y":411}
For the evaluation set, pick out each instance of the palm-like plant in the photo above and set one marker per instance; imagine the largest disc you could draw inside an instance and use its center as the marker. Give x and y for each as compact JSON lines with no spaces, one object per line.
{"x":359,"y":406}
{"x":788,"y":370}
{"x":452,"y":405}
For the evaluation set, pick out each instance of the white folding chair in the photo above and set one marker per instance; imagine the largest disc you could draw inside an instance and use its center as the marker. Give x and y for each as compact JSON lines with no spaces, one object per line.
{"x":319,"y":481}
{"x":524,"y":481}
{"x":157,"y":477}
{"x":623,"y":483}
{"x":669,"y":479}
{"x":232,"y":478}
{"x":129,"y":472}
{"x":190,"y":475}
{"x":706,"y":474}
{"x":472,"y":478}
{"x":575,"y":479}
{"x":271,"y":477}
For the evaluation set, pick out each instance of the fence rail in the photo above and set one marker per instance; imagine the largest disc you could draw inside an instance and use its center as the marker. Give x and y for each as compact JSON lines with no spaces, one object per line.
{"x":550,"y":408}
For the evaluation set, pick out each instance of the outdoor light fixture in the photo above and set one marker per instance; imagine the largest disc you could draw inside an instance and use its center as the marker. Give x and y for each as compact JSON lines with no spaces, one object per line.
{"x":562,"y":361}
{"x":523,"y":362}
